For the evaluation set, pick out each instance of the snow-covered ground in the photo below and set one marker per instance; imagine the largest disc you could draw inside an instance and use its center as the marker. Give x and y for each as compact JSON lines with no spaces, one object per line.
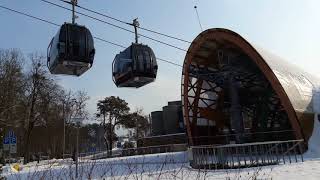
{"x":160,"y":166}
{"x":169,"y":166}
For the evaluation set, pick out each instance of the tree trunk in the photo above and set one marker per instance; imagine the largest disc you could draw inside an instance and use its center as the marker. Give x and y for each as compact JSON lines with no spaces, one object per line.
{"x":27,"y":135}
{"x":110,"y":136}
{"x":105,"y":135}
{"x":30,"y":125}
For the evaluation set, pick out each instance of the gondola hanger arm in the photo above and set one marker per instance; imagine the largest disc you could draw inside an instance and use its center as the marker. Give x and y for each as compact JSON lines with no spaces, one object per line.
{"x":74,"y":3}
{"x":135,"y":24}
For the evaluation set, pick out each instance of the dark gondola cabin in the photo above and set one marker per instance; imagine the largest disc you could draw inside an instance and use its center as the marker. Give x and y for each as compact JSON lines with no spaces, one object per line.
{"x":71,"y":51}
{"x":136,"y":66}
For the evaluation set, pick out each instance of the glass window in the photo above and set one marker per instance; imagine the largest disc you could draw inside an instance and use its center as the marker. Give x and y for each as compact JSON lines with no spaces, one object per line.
{"x":148,"y":60}
{"x":62,"y":35}
{"x":78,"y":41}
{"x":140,"y":62}
{"x":115,"y":64}
{"x":90,"y":41}
{"x":82,"y":42}
{"x":122,"y":65}
{"x":126,"y":66}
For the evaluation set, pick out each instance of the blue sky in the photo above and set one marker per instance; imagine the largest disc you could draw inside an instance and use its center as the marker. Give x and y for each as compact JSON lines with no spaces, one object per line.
{"x":288,"y":28}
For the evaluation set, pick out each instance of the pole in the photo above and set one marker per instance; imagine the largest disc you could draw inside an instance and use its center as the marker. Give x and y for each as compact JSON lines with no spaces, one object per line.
{"x":77,"y":148}
{"x":9,"y":150}
{"x":74,"y":3}
{"x":1,"y":146}
{"x":136,"y":25}
{"x":196,"y":8}
{"x":64,"y":131}
{"x":64,"y":137}
{"x":77,"y":152}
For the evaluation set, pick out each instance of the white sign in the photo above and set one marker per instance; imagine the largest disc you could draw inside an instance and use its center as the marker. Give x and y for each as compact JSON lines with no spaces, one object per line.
{"x":13,"y":148}
{"x":6,"y":147}
{"x":13,"y":143}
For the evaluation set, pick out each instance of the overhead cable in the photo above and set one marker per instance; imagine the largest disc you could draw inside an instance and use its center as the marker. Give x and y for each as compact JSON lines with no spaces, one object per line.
{"x":124,"y":22}
{"x":119,"y":27}
{"x":98,"y":38}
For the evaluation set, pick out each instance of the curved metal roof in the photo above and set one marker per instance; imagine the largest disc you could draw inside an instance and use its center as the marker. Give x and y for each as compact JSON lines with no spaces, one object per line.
{"x":293,"y":86}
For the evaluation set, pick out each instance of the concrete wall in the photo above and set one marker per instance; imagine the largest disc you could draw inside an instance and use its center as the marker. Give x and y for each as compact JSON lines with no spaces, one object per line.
{"x":171,"y":119}
{"x":168,"y":121}
{"x":157,"y":123}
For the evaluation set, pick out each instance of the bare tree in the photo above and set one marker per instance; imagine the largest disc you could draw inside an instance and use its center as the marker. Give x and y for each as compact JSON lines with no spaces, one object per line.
{"x":34,"y":105}
{"x":11,"y":86}
{"x":38,"y":93}
{"x":79,"y":105}
{"x":11,"y":91}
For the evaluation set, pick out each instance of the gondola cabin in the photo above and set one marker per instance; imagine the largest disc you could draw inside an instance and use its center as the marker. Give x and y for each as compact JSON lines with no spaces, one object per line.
{"x":71,"y":51}
{"x":136,"y":66}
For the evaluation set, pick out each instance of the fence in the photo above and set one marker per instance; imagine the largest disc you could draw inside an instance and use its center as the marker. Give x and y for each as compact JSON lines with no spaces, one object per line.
{"x":248,"y":137}
{"x":135,"y":151}
{"x":246,"y":155}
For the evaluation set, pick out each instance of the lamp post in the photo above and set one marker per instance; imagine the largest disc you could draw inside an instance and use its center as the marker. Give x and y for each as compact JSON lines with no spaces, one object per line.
{"x":78,"y":124}
{"x":77,"y":150}
{"x":64,"y":129}
{"x":1,"y":147}
{"x":69,"y":114}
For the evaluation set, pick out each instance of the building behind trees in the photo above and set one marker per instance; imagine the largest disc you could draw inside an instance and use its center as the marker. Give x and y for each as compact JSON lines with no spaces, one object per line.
{"x":167,"y":121}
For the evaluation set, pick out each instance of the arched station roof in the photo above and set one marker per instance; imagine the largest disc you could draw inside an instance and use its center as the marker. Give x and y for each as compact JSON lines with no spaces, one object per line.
{"x":293,"y":86}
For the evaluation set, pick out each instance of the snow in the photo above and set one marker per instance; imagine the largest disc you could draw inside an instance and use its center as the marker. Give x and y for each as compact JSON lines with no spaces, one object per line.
{"x":169,"y":166}
{"x":153,"y":167}
{"x":121,"y":167}
{"x":159,"y":166}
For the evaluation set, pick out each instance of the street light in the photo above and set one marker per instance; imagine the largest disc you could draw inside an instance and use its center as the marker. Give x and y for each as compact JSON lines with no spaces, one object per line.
{"x":78,"y":124}
{"x":77,"y":152}
{"x":73,"y":101}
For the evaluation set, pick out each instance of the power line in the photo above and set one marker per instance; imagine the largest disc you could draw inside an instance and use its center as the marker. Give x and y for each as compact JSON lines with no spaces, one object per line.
{"x":170,"y":62}
{"x":124,"y":22}
{"x":113,"y":43}
{"x":108,"y":23}
{"x":55,"y":24}
{"x":43,"y":20}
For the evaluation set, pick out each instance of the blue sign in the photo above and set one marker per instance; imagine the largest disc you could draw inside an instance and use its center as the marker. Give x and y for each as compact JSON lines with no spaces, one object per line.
{"x":6,"y":140}
{"x":11,"y":134}
{"x":10,"y":138}
{"x":13,"y":140}
{"x":92,"y":149}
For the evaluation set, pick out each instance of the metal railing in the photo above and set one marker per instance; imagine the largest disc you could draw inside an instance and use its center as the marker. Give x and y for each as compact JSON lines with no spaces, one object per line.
{"x":246,"y":155}
{"x":248,"y":137}
{"x":135,"y":151}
